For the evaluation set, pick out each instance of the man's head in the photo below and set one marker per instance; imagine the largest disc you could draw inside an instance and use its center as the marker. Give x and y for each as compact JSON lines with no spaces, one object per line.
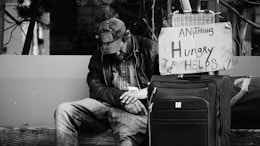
{"x":112,"y":33}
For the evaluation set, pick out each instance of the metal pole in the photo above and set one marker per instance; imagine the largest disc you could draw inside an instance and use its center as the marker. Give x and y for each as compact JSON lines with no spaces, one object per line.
{"x":2,"y":7}
{"x":217,"y":10}
{"x":169,"y":12}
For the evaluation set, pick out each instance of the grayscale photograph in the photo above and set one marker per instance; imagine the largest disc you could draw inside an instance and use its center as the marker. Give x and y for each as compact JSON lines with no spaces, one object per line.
{"x":129,"y":72}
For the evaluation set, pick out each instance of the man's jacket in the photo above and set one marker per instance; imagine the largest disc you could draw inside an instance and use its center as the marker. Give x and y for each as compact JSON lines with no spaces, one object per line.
{"x":100,"y":76}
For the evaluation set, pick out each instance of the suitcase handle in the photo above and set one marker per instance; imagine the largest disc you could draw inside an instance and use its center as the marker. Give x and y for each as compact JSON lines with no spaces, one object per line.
{"x":190,"y":76}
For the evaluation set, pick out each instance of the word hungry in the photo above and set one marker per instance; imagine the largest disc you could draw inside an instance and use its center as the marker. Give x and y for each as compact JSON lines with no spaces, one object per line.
{"x":191,"y":51}
{"x":192,"y":58}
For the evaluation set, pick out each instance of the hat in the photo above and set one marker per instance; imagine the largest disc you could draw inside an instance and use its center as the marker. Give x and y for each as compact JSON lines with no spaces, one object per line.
{"x":111,"y":32}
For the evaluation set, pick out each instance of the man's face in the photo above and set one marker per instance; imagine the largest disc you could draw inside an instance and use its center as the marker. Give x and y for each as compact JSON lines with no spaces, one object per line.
{"x":121,"y":53}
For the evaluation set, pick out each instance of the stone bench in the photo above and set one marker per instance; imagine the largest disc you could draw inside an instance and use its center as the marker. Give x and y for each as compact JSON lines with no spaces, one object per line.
{"x":42,"y":136}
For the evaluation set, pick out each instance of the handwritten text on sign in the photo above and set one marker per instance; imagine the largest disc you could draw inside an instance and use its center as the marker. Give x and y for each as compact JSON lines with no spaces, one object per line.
{"x":195,"y":49}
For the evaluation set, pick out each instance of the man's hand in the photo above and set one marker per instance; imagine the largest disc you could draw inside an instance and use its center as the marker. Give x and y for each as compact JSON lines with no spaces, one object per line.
{"x":136,"y":108}
{"x":133,"y":95}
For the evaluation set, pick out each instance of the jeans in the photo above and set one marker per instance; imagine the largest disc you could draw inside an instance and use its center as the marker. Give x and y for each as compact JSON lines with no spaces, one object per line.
{"x":93,"y":116}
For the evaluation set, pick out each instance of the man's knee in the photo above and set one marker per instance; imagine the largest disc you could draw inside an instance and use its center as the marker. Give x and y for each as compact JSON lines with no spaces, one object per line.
{"x":62,"y":110}
{"x":126,"y":142}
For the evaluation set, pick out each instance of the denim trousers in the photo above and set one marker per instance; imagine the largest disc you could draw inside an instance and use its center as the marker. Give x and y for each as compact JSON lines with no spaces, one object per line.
{"x":93,"y":116}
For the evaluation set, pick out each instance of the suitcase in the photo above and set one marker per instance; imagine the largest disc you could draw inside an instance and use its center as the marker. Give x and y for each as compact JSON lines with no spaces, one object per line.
{"x":189,"y":111}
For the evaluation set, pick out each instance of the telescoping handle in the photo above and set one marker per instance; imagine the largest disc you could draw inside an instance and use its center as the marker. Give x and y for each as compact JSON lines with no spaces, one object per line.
{"x":194,"y":76}
{"x":191,"y":76}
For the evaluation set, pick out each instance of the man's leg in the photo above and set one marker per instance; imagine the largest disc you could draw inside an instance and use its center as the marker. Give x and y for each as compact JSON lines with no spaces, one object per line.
{"x":128,"y":129}
{"x":88,"y":113}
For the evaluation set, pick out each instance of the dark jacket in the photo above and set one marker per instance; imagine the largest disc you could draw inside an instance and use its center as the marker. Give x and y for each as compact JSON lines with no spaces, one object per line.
{"x":100,"y":76}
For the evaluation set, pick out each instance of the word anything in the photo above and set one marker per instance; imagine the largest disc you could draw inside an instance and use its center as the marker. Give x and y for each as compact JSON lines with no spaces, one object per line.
{"x":192,"y":31}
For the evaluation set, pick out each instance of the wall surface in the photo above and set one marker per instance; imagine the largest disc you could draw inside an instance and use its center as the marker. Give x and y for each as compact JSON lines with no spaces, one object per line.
{"x":244,"y":65}
{"x":31,"y":87}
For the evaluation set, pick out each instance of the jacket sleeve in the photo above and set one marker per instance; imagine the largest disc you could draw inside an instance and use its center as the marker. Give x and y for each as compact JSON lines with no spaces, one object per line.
{"x":151,"y":48}
{"x":98,"y":88}
{"x":155,"y":57}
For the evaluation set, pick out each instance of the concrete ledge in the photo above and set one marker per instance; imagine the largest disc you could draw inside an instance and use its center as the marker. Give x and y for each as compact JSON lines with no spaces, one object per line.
{"x":245,"y":137}
{"x":45,"y":136}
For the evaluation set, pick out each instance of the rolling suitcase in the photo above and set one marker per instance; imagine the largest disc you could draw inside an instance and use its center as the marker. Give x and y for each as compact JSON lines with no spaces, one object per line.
{"x":189,"y":111}
{"x":193,"y":110}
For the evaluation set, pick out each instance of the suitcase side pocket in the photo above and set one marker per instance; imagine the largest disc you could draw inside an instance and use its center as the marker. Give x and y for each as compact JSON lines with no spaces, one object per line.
{"x":175,"y":117}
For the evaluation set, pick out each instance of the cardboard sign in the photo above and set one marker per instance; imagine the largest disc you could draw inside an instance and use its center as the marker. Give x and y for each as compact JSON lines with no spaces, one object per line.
{"x":195,"y":49}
